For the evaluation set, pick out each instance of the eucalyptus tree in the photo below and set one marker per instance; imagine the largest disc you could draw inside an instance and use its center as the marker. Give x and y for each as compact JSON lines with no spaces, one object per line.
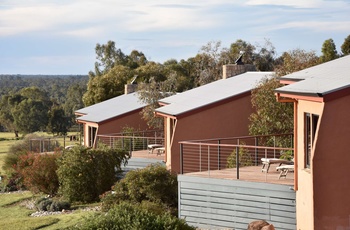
{"x":295,"y":60}
{"x":58,"y":122}
{"x":150,"y":93}
{"x":270,"y":116}
{"x":329,"y":51}
{"x":207,"y":63}
{"x":345,"y":47}
{"x":25,"y":111}
{"x":108,"y":85}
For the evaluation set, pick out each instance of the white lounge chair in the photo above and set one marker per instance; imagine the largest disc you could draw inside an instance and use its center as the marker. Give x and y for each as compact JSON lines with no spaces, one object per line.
{"x":284,"y":170}
{"x":152,"y":147}
{"x":266,"y":162}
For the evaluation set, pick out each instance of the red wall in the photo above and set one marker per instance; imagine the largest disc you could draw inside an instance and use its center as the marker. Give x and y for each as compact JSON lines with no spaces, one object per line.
{"x":225,"y":120}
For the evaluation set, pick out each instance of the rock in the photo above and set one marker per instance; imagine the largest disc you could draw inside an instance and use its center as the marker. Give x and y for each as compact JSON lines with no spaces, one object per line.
{"x":258,"y":225}
{"x":268,"y":227}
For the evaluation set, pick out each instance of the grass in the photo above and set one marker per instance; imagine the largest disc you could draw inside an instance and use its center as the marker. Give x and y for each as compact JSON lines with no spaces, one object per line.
{"x":13,"y":215}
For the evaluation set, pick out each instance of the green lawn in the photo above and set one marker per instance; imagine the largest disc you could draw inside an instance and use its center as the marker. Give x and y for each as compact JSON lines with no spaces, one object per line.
{"x":13,"y":215}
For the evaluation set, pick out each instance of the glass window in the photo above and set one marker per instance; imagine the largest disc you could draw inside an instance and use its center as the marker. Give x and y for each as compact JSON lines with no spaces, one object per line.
{"x":92,"y":135}
{"x":311,"y":121}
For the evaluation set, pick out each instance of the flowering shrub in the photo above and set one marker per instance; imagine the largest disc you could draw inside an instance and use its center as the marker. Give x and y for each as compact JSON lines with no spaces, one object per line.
{"x":39,"y":172}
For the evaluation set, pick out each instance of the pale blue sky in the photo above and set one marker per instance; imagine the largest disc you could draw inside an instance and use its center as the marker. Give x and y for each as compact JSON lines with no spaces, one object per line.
{"x":59,"y":36}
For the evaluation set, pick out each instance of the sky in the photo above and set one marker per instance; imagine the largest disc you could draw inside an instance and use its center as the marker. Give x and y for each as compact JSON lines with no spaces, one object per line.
{"x":59,"y":36}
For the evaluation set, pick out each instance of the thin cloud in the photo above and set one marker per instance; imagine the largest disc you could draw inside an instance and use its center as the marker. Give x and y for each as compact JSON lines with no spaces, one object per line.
{"x":316,"y":26}
{"x":299,"y":3}
{"x":139,"y":16}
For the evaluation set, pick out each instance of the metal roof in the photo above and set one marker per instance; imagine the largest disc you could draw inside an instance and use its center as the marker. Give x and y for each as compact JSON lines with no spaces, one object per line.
{"x":111,"y":108}
{"x":321,"y":79}
{"x":211,"y":93}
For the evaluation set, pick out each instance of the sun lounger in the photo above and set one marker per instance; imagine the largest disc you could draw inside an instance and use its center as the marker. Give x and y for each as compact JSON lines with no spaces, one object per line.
{"x":266,"y":162}
{"x":152,"y":147}
{"x":284,"y":170}
{"x":160,"y":150}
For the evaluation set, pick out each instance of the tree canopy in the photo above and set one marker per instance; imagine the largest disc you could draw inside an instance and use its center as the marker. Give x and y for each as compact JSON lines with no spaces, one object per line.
{"x":270,"y":116}
{"x":329,"y":51}
{"x":29,"y":111}
{"x":345,"y":47}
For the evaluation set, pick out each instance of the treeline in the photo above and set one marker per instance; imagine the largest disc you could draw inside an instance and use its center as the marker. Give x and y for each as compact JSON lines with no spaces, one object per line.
{"x":32,"y":103}
{"x":57,"y":86}
{"x":114,"y":68}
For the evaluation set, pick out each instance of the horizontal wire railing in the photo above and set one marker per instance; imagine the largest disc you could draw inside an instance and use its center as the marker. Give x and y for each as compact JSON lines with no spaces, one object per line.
{"x":132,"y":141}
{"x":218,"y":154}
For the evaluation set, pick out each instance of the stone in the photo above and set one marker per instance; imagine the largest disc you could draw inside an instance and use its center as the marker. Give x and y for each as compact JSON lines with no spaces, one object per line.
{"x":268,"y":227}
{"x":257,"y":225}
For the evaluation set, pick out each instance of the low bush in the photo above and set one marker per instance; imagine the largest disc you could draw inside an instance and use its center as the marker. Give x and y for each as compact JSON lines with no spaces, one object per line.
{"x":39,"y":172}
{"x":11,"y":182}
{"x":133,"y":217}
{"x":22,"y":147}
{"x":153,"y":183}
{"x":85,"y":173}
{"x":48,"y":204}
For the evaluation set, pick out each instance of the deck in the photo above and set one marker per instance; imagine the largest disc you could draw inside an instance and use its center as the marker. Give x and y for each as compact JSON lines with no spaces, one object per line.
{"x":249,"y":173}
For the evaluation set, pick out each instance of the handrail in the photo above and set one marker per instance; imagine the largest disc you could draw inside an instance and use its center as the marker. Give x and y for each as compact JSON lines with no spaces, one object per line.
{"x":205,"y":155}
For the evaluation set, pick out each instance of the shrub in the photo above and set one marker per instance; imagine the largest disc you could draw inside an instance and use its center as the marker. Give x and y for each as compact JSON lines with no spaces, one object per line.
{"x":11,"y":182}
{"x":133,"y":216}
{"x":39,"y":172}
{"x":153,"y":183}
{"x":245,"y":158}
{"x":22,"y":147}
{"x":48,"y":204}
{"x":85,"y":173}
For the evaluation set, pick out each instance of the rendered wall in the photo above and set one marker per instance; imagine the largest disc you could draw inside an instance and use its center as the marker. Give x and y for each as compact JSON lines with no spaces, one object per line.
{"x":331,"y":171}
{"x":225,"y":120}
{"x":323,"y":200}
{"x":305,"y":193}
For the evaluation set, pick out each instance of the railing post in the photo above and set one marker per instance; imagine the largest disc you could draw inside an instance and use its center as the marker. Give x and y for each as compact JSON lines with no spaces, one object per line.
{"x":130,"y":148}
{"x":209,"y":160}
{"x":237,"y":161}
{"x":181,"y":159}
{"x":274,"y":146}
{"x":256,"y":151}
{"x":200,"y":157}
{"x":267,"y":168}
{"x":219,"y":155}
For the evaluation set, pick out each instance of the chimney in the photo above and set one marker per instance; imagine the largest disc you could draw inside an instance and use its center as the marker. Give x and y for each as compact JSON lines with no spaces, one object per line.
{"x":132,"y":87}
{"x":239,"y":67}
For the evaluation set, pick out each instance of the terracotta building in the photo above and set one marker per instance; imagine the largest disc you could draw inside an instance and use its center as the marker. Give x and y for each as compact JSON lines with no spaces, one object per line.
{"x":321,"y":97}
{"x":217,"y":109}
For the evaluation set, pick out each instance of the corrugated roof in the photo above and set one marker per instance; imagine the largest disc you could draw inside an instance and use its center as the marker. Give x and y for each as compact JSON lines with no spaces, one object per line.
{"x":211,"y":93}
{"x":111,"y":108}
{"x":321,"y":79}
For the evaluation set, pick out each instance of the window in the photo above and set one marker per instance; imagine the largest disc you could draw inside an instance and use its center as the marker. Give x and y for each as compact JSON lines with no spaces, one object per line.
{"x":92,"y":135}
{"x":311,"y":121}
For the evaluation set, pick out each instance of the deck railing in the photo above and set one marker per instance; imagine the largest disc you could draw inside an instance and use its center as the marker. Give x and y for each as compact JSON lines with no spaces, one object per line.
{"x":217,"y":154}
{"x":132,"y":141}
